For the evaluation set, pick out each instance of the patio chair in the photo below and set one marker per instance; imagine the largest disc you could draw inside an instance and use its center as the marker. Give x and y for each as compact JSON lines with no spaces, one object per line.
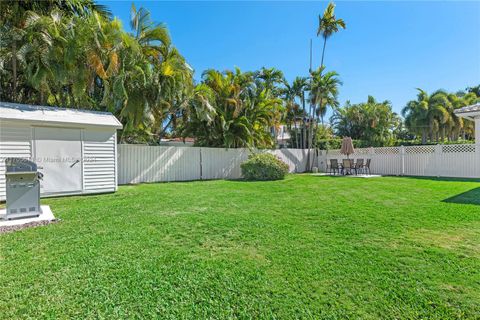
{"x":358,"y":166}
{"x":366,"y":166}
{"x":334,"y":167}
{"x":346,"y":166}
{"x":352,"y":163}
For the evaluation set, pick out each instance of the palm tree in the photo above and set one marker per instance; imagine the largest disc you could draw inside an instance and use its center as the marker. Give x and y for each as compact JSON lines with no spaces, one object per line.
{"x":270,"y":78}
{"x":328,"y":24}
{"x":292,"y":111}
{"x":372,"y":122}
{"x":429,"y":114}
{"x":299,"y":86}
{"x":232,"y":109}
{"x":12,"y":33}
{"x":324,"y":91}
{"x":150,"y":36}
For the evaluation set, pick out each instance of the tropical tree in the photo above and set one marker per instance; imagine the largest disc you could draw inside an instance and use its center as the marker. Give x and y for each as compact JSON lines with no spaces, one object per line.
{"x":270,"y":79}
{"x":300,"y":85}
{"x":233,"y":109}
{"x":475,"y":90}
{"x":324,"y":91}
{"x":328,"y":25}
{"x":72,"y":54}
{"x":429,"y":115}
{"x":12,"y":31}
{"x":372,"y":122}
{"x":293,"y":112}
{"x":432,"y":116}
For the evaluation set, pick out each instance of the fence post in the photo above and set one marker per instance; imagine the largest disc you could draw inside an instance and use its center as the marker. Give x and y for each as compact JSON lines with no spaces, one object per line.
{"x":201,"y":168}
{"x":371,"y":152}
{"x":438,"y":159}
{"x":402,"y":156}
{"x":477,"y":159}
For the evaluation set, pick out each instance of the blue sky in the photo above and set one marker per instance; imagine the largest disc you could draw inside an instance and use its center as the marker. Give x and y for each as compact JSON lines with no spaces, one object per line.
{"x":387,"y":50}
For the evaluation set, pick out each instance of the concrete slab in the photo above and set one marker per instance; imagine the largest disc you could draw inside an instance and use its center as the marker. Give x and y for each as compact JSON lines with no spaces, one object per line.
{"x":46,"y":215}
{"x":348,"y":176}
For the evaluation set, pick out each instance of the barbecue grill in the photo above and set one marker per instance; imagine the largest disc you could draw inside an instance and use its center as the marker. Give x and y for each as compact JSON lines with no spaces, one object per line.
{"x":23,"y":188}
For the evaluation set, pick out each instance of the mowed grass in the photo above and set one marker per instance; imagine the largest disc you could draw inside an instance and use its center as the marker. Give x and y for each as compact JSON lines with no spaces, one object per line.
{"x":305,"y":247}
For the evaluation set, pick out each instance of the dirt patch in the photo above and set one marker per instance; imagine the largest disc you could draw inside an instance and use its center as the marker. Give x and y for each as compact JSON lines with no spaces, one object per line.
{"x":7,"y":229}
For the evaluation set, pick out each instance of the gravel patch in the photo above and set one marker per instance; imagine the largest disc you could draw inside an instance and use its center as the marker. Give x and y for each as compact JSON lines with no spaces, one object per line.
{"x":7,"y":229}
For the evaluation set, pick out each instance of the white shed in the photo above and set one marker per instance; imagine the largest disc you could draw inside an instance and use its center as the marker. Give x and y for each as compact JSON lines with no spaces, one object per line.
{"x":76,"y":150}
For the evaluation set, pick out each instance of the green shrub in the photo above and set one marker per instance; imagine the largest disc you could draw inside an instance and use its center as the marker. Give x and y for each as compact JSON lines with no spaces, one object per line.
{"x":264,"y":166}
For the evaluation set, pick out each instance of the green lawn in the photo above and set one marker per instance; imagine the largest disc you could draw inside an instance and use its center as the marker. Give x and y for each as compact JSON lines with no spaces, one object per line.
{"x":306,"y":247}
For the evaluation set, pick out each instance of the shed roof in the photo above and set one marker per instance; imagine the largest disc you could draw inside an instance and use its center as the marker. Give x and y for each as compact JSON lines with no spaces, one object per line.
{"x":469,"y":112}
{"x":16,"y":111}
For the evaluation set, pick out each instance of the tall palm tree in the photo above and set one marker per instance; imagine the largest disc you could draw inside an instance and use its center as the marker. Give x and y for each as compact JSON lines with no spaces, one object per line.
{"x":151,"y":37}
{"x":292,"y":112}
{"x":328,"y":24}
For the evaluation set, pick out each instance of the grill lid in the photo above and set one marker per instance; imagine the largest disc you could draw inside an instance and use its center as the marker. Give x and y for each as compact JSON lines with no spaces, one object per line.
{"x":20,"y":165}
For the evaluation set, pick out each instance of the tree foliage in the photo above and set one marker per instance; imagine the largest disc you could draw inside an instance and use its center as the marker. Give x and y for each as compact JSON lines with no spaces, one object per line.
{"x":371,"y":121}
{"x":233,"y":109}
{"x":72,"y":54}
{"x":432,"y":116}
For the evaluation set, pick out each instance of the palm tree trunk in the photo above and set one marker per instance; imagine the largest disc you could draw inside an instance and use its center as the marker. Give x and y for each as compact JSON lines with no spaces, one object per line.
{"x":296,"y":133}
{"x":323,"y":50}
{"x":14,"y":71}
{"x":310,"y":161}
{"x":304,"y":129}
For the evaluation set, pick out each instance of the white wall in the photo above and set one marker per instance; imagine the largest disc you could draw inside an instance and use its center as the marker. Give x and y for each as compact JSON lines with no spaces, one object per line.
{"x":477,"y":130}
{"x":99,"y":173}
{"x":15,"y":141}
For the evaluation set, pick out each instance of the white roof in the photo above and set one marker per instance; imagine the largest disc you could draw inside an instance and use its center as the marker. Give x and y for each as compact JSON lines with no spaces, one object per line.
{"x":16,"y":111}
{"x":472,"y":111}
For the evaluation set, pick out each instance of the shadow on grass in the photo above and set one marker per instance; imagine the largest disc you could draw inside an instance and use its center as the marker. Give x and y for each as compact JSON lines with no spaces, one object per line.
{"x":442,"y":178}
{"x":468,"y":197}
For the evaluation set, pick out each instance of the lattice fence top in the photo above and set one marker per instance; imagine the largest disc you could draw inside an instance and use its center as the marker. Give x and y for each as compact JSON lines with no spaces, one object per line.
{"x":455,"y":148}
{"x":387,"y":150}
{"x":334,"y":152}
{"x":425,"y":149}
{"x":364,"y":151}
{"x":419,"y":149}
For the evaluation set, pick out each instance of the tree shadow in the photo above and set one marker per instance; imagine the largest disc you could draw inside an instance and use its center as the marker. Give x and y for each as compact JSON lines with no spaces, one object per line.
{"x":442,"y":178}
{"x":468,"y":197}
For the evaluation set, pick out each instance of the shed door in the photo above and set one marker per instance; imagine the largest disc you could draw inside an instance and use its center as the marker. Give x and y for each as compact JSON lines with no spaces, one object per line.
{"x":58,"y":151}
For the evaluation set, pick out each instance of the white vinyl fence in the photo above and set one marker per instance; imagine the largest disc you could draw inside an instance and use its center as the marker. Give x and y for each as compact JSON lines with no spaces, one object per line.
{"x":140,"y":163}
{"x":459,"y":160}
